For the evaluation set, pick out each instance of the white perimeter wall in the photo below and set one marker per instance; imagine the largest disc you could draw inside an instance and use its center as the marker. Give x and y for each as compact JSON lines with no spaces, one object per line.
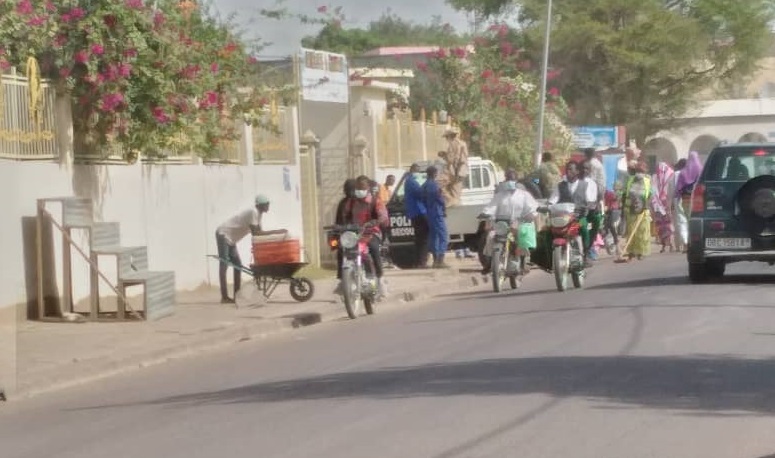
{"x":173,"y":209}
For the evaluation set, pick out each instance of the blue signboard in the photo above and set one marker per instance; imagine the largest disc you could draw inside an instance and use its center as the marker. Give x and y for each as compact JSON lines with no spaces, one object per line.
{"x":598,"y":137}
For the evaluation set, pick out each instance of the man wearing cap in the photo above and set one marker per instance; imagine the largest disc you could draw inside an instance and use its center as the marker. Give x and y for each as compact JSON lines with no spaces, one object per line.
{"x":230,"y":233}
{"x":456,"y":170}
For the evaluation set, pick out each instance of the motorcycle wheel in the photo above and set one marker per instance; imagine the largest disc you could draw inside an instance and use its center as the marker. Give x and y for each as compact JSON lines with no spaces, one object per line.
{"x":497,"y":270}
{"x":351,"y":295}
{"x":560,"y":264}
{"x":578,"y":274}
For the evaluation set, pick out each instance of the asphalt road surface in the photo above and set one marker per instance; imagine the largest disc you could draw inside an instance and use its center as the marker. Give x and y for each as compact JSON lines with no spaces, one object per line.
{"x":640,"y":364}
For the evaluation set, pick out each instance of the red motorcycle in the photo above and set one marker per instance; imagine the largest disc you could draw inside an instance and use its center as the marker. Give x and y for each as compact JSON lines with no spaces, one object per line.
{"x":567,"y":246}
{"x":359,"y":282}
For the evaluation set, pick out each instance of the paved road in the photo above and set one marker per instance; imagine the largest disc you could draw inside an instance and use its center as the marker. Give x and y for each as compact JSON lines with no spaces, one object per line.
{"x":640,"y":364}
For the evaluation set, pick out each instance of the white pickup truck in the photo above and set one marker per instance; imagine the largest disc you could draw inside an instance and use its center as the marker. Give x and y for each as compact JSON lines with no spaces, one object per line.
{"x":462,"y":224}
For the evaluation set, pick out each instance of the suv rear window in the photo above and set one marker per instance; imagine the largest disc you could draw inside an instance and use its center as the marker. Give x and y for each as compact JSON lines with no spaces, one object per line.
{"x":740,"y":164}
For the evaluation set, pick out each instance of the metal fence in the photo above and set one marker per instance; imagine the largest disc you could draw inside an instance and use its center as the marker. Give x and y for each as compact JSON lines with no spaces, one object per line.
{"x":22,"y":135}
{"x":275,"y":146}
{"x":402,"y":142}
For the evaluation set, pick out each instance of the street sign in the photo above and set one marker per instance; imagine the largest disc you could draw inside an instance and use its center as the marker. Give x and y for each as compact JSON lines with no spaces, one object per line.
{"x":598,"y":137}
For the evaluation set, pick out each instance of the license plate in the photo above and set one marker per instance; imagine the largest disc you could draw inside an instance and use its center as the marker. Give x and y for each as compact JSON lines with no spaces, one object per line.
{"x":733,"y":244}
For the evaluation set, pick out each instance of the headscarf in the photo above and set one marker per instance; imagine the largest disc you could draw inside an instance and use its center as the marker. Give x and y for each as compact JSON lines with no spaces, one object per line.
{"x":691,"y":173}
{"x":664,"y":177}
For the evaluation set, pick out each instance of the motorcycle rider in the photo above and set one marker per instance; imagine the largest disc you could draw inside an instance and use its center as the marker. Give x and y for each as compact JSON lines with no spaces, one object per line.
{"x":581,"y":192}
{"x":511,"y":202}
{"x":366,"y":209}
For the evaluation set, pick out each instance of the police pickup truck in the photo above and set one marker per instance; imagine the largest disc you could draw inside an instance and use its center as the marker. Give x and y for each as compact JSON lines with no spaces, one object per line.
{"x":462,"y":224}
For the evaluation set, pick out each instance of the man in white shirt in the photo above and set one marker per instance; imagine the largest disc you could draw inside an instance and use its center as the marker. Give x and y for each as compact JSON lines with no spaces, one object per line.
{"x":511,"y":202}
{"x":579,"y":191}
{"x":230,"y":233}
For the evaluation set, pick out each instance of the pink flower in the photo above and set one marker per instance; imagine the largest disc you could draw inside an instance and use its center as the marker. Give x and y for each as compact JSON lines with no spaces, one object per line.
{"x":552,"y":74}
{"x":487,"y":74}
{"x":125,"y":70}
{"x":81,"y":57}
{"x":37,"y":21}
{"x":158,"y":19}
{"x":214,"y":67}
{"x":190,"y":71}
{"x":24,"y":7}
{"x":210,"y":100}
{"x":441,"y":53}
{"x":322,"y":9}
{"x":506,"y":48}
{"x":64,"y":72}
{"x":160,"y":115}
{"x":129,"y":53}
{"x":4,"y":65}
{"x":97,"y":49}
{"x":60,"y":40}
{"x":554,"y":92}
{"x":252,"y":60}
{"x":112,"y":101}
{"x":503,"y":30}
{"x":459,"y":53}
{"x":73,"y":15}
{"x":134,"y":4}
{"x":50,"y":7}
{"x":422,"y":66}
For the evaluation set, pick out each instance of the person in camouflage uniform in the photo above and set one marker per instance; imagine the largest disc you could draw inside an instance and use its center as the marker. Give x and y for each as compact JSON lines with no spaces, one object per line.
{"x":456,"y":170}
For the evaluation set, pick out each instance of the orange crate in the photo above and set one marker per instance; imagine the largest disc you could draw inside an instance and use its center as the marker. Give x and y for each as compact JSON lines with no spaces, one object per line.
{"x":277,"y":252}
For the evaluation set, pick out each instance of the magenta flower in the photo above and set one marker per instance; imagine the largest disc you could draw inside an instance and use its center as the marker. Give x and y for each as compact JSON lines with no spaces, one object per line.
{"x":210,"y":100}
{"x":24,"y":7}
{"x":50,"y":7}
{"x":37,"y":21}
{"x":81,"y":57}
{"x":134,"y":4}
{"x":129,"y":53}
{"x":60,"y":40}
{"x":160,"y":115}
{"x":64,"y":72}
{"x":158,"y":19}
{"x":214,"y":67}
{"x":112,"y":101}
{"x":125,"y":70}
{"x":97,"y":49}
{"x":554,"y":92}
{"x":4,"y":65}
{"x":75,"y":14}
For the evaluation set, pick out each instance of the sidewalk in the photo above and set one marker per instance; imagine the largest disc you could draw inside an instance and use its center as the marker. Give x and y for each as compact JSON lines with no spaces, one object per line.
{"x":53,"y":356}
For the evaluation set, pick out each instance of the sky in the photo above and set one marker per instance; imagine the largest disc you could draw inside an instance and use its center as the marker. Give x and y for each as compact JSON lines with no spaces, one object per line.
{"x":286,"y":35}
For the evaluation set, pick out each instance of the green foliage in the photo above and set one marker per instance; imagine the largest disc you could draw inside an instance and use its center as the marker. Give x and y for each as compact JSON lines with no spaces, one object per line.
{"x":148,"y":76}
{"x":642,"y":64}
{"x":492,"y":98}
{"x":388,"y":30}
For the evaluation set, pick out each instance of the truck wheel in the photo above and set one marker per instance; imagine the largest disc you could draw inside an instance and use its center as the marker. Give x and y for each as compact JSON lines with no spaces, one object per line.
{"x":403,"y":257}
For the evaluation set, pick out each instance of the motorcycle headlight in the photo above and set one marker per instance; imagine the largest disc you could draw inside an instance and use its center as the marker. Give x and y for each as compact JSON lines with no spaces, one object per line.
{"x":560,"y":221}
{"x":348,"y":240}
{"x":502,"y":228}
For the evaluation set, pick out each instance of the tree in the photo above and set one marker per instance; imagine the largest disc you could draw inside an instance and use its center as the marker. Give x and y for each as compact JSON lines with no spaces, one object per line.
{"x":495,"y":102}
{"x":148,"y":78}
{"x":388,"y":30}
{"x":642,"y":64}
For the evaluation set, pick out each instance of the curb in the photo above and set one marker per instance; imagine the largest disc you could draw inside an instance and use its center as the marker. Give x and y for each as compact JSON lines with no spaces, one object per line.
{"x":85,"y":371}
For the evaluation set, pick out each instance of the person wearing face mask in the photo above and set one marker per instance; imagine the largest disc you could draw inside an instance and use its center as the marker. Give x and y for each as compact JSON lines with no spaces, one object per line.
{"x":366,"y":209}
{"x":511,"y":202}
{"x":580,"y":192}
{"x":414,"y":208}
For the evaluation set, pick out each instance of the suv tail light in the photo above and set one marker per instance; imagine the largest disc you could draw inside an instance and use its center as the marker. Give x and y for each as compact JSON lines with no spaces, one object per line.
{"x":698,"y":199}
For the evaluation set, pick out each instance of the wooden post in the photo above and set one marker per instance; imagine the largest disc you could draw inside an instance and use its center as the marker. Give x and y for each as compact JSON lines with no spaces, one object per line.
{"x":39,"y":267}
{"x":94,"y":284}
{"x":67,"y":272}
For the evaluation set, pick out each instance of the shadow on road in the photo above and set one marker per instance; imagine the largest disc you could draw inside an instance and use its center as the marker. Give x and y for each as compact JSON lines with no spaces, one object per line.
{"x":699,"y":385}
{"x":675,"y":281}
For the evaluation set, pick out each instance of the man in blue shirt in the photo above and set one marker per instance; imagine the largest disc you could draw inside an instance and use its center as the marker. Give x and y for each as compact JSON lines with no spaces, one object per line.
{"x":414,"y":208}
{"x":436,"y":207}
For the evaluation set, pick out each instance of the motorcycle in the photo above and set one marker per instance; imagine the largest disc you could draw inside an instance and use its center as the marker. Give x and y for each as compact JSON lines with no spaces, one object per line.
{"x":359,"y":281}
{"x":506,"y":261}
{"x":567,"y":246}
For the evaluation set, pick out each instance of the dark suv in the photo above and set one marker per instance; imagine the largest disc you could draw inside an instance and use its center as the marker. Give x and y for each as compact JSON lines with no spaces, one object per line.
{"x":733,"y":210}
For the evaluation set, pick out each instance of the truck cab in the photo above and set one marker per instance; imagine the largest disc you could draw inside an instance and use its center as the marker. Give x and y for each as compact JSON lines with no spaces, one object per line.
{"x":462,"y":226}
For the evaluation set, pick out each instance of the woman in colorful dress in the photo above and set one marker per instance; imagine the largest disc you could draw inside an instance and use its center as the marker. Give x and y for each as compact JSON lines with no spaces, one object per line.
{"x":679,"y":215}
{"x":637,"y":195}
{"x":662,"y":205}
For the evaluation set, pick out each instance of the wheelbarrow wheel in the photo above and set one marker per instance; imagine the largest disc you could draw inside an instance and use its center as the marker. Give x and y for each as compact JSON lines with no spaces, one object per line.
{"x":302,"y":289}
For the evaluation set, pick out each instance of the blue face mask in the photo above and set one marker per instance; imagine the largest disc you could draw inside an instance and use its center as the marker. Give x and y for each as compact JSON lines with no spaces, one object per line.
{"x":511,"y":185}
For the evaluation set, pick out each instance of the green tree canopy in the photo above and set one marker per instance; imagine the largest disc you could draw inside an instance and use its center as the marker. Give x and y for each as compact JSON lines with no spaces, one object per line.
{"x":642,"y":64}
{"x":388,"y":30}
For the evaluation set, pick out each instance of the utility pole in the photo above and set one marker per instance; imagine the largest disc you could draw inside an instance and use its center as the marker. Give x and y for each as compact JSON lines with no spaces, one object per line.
{"x":544,"y":73}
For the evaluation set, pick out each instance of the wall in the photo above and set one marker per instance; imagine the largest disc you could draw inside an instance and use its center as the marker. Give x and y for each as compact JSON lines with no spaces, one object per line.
{"x":173,"y":209}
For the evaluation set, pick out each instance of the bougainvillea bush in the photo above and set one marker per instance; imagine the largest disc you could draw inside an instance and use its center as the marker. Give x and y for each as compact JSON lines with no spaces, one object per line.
{"x":490,"y":91}
{"x":147,"y":75}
